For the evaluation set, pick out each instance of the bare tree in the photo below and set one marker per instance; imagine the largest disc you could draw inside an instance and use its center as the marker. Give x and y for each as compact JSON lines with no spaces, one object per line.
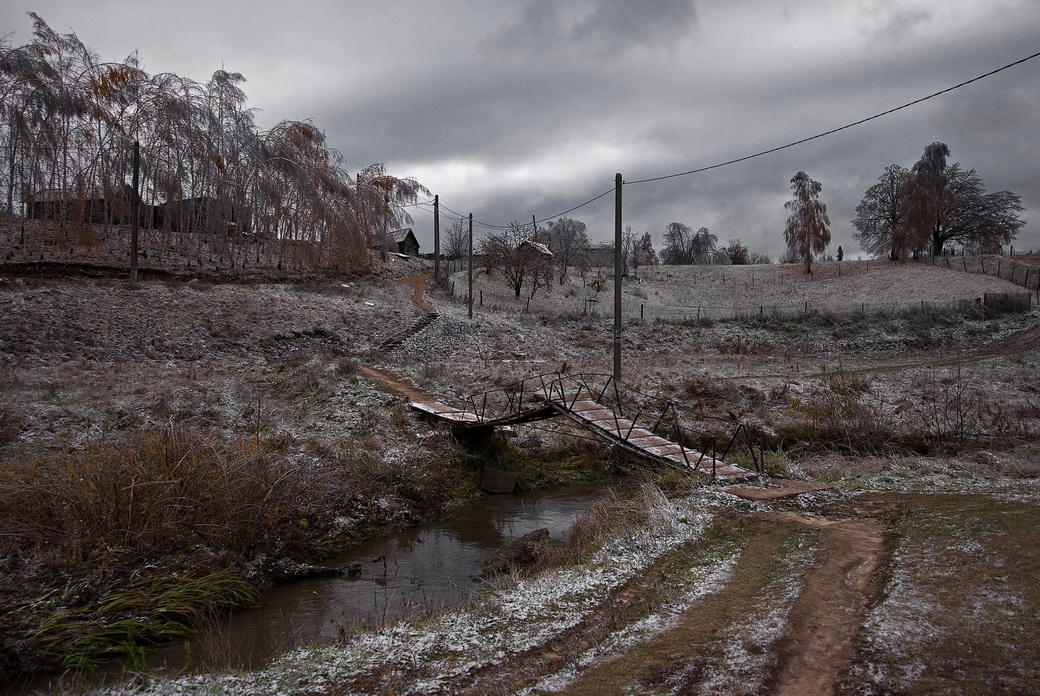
{"x":455,"y":240}
{"x":567,"y":239}
{"x":808,"y":228}
{"x":516,"y":256}
{"x":628,"y":250}
{"x":737,"y":252}
{"x":880,"y":216}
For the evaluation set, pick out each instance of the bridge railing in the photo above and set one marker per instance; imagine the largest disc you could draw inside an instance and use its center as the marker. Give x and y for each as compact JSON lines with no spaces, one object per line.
{"x":515,"y":399}
{"x":700,"y":436}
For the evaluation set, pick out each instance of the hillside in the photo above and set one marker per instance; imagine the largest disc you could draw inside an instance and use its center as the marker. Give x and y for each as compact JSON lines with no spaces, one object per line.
{"x":925,"y":421}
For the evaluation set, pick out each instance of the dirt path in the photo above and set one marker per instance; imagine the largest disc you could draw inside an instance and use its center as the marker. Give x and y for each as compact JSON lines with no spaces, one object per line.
{"x":812,"y":650}
{"x":384,"y":380}
{"x":390,"y":384}
{"x":819,"y":644}
{"x":418,"y":284}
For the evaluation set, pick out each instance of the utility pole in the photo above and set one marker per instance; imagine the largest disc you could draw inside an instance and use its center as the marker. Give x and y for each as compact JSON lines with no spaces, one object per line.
{"x":135,"y":210}
{"x":617,"y":276}
{"x":471,"y":265}
{"x":436,"y":241}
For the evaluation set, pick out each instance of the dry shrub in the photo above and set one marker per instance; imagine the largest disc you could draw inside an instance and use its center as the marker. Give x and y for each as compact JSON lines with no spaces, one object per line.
{"x":151,"y":494}
{"x":954,"y":410}
{"x":840,"y":416}
{"x":345,"y":367}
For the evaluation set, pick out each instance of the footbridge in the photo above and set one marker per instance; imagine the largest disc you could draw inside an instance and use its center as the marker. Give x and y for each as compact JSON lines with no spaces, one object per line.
{"x":646,"y":426}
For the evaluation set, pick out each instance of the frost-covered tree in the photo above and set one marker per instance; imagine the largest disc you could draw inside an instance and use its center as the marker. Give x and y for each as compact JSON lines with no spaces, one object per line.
{"x":737,"y":252}
{"x":678,"y":244}
{"x":68,"y":123}
{"x":945,"y":203}
{"x":808,"y":227}
{"x":645,"y":253}
{"x":684,"y":246}
{"x":455,"y":241}
{"x":567,"y":239}
{"x":880,"y":217}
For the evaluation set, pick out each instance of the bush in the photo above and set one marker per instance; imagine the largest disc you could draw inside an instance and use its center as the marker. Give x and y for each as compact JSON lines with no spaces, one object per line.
{"x":154,"y":493}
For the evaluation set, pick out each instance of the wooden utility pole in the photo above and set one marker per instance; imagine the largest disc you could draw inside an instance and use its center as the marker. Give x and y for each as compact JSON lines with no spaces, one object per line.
{"x":470,"y":300}
{"x":436,"y":241}
{"x":135,"y":210}
{"x":617,"y":276}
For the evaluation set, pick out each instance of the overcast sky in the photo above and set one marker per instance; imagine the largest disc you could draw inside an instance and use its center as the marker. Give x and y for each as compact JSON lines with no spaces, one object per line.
{"x":508,"y":110}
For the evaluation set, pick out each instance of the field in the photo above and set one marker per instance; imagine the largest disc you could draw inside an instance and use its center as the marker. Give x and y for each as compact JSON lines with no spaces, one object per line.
{"x":913,"y":572}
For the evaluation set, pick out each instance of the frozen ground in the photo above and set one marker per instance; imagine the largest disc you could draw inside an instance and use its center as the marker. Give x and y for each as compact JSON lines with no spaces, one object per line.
{"x":700,"y":592}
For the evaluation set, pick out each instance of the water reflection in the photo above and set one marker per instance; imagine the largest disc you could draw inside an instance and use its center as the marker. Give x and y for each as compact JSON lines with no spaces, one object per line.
{"x":423,"y":568}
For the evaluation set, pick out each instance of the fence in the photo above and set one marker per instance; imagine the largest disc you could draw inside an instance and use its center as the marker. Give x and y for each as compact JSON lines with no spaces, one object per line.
{"x":1019,"y":272}
{"x":574,"y":306}
{"x":495,"y":297}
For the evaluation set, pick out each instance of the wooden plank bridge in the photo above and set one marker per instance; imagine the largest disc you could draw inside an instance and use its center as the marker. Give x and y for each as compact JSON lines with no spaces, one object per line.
{"x":646,"y":426}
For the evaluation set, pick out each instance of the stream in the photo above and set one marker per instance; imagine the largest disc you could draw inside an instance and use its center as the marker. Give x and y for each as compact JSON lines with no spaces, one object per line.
{"x":418,"y":569}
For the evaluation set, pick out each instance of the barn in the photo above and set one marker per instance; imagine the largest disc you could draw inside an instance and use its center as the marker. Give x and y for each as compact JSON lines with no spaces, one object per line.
{"x":403,"y":241}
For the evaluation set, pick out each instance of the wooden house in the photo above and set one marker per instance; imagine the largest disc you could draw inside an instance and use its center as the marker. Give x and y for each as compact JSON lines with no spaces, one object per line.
{"x":204,"y":214}
{"x":403,"y":241}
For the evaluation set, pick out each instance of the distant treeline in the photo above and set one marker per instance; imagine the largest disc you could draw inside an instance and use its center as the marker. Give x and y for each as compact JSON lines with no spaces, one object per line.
{"x":69,"y":121}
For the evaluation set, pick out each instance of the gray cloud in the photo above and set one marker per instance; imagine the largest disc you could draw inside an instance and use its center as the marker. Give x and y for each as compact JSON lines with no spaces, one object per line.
{"x":599,"y":27}
{"x":509,"y":110}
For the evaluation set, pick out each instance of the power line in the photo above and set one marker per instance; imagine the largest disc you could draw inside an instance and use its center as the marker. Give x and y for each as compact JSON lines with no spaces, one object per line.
{"x":485,"y":225}
{"x":835,"y":130}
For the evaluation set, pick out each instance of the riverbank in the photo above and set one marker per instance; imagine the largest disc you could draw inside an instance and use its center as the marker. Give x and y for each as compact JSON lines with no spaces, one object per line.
{"x":169,"y":450}
{"x":838,"y":592}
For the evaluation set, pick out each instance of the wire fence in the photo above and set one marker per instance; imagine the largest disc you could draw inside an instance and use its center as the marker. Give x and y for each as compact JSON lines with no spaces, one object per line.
{"x":495,"y":298}
{"x":1020,"y":271}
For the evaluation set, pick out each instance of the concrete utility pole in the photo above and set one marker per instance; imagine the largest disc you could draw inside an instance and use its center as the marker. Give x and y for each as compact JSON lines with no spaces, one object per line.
{"x":470,"y":266}
{"x":135,"y":210}
{"x":617,"y":276}
{"x":436,"y":241}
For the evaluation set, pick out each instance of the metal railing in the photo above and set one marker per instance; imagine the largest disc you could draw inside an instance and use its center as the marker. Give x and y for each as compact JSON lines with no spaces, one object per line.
{"x":633,"y":412}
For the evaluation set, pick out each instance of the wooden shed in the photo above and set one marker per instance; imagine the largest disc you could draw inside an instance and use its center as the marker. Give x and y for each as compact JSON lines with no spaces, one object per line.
{"x":403,"y":241}
{"x":204,"y":214}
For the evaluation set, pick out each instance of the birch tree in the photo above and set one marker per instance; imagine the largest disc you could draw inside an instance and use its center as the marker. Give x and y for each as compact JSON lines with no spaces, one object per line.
{"x":808,"y":227}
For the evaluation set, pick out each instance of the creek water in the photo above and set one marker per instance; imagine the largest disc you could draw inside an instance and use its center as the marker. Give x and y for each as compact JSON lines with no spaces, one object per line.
{"x":418,"y":569}
{"x":426,"y":567}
